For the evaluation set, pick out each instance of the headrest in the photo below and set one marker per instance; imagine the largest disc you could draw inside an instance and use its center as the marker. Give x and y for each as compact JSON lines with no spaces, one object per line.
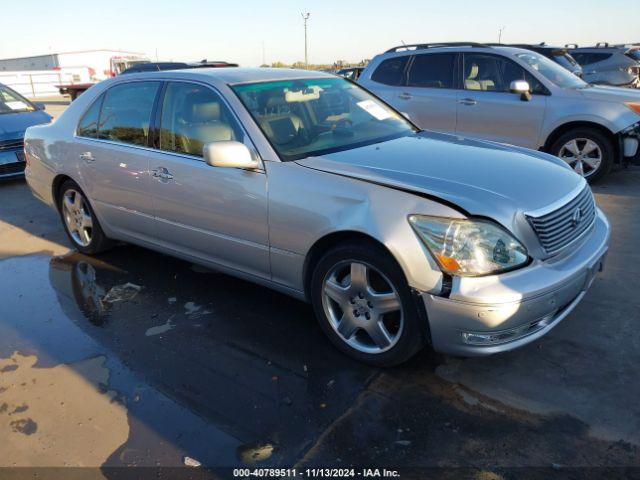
{"x":474,"y":71}
{"x":205,"y":112}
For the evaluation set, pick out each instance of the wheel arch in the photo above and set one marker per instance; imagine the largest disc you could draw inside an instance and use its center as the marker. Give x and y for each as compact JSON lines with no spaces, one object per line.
{"x":56,"y":185}
{"x":328,"y":241}
{"x":568,"y":126}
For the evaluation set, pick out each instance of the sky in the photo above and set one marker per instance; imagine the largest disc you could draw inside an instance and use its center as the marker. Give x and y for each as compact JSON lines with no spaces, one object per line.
{"x":250,"y":31}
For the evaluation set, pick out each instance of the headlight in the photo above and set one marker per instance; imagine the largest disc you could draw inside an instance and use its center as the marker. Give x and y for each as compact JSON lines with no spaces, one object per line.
{"x":469,"y":247}
{"x":635,"y":106}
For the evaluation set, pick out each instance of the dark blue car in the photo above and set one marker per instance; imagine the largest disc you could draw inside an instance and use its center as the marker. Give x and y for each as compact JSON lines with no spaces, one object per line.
{"x":16,"y":115}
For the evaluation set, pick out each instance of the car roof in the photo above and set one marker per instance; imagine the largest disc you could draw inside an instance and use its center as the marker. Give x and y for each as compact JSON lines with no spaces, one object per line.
{"x":458,"y":47}
{"x":237,"y":75}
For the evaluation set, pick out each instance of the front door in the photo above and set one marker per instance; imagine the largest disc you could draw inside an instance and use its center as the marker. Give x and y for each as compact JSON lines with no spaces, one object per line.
{"x":218,"y":215}
{"x":488,"y":110}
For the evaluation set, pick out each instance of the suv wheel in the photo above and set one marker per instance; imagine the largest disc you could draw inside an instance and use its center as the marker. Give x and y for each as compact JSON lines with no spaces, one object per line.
{"x":364,"y":305}
{"x":80,"y":222}
{"x":587,"y":151}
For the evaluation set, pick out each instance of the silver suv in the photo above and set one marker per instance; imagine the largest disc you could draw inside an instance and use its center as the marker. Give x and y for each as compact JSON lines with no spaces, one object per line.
{"x":616,"y":66}
{"x":509,"y":95}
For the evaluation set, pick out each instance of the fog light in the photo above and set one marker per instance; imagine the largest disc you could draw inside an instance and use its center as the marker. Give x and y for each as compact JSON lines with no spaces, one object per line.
{"x":491,"y":338}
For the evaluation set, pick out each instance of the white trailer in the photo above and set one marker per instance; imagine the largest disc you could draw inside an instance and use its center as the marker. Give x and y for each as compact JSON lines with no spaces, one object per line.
{"x":101,"y":63}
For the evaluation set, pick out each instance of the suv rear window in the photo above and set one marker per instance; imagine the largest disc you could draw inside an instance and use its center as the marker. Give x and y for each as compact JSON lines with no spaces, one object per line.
{"x":434,"y":70}
{"x":391,"y":71}
{"x":586,"y":58}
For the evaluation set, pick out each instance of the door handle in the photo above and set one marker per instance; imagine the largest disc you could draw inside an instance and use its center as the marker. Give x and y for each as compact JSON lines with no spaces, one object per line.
{"x":87,"y":157}
{"x":405,"y":96}
{"x":162,"y":173}
{"x":468,"y":101}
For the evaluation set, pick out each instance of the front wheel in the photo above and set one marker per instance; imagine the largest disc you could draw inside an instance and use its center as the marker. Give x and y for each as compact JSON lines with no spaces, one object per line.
{"x":589,"y":152}
{"x":364,"y":305}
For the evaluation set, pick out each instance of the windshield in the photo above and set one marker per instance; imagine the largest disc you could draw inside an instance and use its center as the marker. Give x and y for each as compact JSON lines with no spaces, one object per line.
{"x":309,"y":117}
{"x":13,"y":102}
{"x":553,"y":72}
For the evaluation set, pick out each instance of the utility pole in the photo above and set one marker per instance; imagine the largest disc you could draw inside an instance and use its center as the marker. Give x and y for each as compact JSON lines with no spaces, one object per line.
{"x":305,"y":17}
{"x":500,"y":30}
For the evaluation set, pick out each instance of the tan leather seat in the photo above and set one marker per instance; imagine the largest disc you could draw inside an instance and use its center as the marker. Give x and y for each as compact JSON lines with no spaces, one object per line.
{"x":202,"y":125}
{"x":279,"y":123}
{"x":470,"y":83}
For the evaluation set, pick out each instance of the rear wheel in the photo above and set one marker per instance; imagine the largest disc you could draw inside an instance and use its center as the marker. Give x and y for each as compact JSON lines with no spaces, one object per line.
{"x":588,"y":151}
{"x":364,"y":305}
{"x":80,"y":221}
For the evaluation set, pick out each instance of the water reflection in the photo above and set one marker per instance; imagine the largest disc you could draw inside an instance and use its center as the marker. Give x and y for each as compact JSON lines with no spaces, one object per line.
{"x":250,"y":361}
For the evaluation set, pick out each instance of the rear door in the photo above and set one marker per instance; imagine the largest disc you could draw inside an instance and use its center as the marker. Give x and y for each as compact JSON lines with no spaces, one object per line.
{"x":218,"y":215}
{"x":112,"y":146}
{"x":429,"y":94}
{"x":487,"y":109}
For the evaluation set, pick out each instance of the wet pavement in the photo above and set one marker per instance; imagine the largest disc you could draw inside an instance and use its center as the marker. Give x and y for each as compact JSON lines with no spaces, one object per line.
{"x":134,"y":358}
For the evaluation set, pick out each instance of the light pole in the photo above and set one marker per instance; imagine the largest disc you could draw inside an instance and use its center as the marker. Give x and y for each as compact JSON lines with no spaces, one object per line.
{"x":305,"y":17}
{"x":500,"y":30}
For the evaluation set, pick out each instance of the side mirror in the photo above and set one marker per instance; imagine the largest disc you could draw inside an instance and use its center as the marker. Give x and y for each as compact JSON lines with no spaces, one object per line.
{"x":522,"y":87}
{"x":40,"y":105}
{"x":230,"y":154}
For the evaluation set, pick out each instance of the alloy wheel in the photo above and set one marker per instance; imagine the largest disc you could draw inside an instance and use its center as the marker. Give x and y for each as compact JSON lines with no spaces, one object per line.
{"x":583,"y":155}
{"x":77,"y":217}
{"x":363,"y":306}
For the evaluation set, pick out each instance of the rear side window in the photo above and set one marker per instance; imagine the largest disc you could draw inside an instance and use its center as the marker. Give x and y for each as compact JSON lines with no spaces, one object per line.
{"x":587,"y":58}
{"x":126,"y":112}
{"x":88,"y":126}
{"x":192,"y":116}
{"x":391,"y":71}
{"x":432,"y":71}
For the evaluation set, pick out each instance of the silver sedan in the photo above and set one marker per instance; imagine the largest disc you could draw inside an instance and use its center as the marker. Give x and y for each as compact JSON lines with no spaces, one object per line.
{"x":307,"y":184}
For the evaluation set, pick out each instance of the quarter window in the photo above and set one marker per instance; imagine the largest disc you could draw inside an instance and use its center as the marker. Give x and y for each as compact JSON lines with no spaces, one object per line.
{"x":126,"y":112}
{"x":432,"y":71}
{"x":391,"y":71}
{"x":88,"y":126}
{"x":192,"y":116}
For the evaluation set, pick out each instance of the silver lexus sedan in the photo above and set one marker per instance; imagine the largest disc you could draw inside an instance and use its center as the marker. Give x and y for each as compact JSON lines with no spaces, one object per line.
{"x":306,"y":183}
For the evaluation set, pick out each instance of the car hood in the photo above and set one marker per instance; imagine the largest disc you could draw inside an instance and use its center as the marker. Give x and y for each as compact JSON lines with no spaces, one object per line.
{"x":611,"y":94}
{"x":478,"y":177}
{"x":13,"y":125}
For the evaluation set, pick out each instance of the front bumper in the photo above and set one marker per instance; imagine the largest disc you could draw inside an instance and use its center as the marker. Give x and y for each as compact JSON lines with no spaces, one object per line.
{"x":515,"y":308}
{"x":11,"y":162}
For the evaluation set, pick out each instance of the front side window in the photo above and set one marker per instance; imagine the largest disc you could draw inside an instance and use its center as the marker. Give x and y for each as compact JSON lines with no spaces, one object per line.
{"x":126,"y":112}
{"x":13,"y":102}
{"x":309,"y":117}
{"x":192,"y":116}
{"x":434,"y":70}
{"x":391,"y":71}
{"x":495,"y":74}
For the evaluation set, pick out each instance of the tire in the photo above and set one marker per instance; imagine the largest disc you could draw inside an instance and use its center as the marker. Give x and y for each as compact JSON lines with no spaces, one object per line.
{"x":86,"y":239}
{"x":582,"y":136}
{"x":388,"y":288}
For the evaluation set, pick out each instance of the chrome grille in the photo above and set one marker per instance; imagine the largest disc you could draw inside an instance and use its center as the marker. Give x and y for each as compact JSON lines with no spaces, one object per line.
{"x":559,"y":228}
{"x":11,"y":144}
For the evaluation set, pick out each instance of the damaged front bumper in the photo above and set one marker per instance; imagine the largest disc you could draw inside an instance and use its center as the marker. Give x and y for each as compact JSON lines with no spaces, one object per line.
{"x":486,"y":315}
{"x":629,"y":141}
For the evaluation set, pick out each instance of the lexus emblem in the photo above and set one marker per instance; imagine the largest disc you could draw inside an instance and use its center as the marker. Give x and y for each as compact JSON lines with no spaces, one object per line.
{"x":577,"y":216}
